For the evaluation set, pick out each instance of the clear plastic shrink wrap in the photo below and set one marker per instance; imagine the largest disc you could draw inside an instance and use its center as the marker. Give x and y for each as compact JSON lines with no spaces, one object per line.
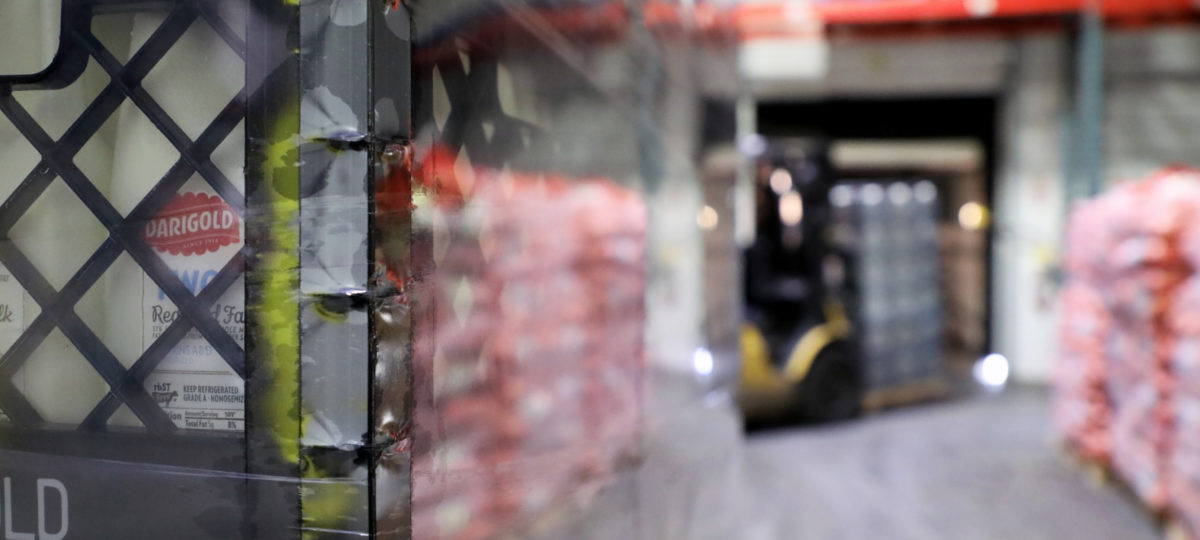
{"x":348,"y":268}
{"x":1128,"y":336}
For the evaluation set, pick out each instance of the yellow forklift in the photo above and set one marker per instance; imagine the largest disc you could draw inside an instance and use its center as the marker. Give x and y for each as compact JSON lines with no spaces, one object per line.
{"x":800,"y":358}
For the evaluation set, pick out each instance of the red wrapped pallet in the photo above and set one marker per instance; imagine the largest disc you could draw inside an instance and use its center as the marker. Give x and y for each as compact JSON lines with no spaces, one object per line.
{"x":1081,"y":407}
{"x":1081,"y":404}
{"x":1138,"y":294}
{"x":1130,"y":249}
{"x":528,"y":351}
{"x":1139,"y":433}
{"x":456,"y":506}
{"x":1179,"y":221}
{"x":1184,"y":485}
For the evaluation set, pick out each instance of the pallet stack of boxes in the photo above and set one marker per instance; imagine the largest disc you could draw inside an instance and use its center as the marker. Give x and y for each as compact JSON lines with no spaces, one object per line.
{"x":889,"y":229}
{"x":529,"y":349}
{"x":1127,"y":387}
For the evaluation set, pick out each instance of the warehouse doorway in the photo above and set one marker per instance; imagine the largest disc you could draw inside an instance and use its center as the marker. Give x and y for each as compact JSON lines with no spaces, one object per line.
{"x":947,"y":141}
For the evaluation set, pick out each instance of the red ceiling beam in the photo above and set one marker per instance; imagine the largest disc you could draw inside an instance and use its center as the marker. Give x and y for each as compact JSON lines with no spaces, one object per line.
{"x":780,"y":18}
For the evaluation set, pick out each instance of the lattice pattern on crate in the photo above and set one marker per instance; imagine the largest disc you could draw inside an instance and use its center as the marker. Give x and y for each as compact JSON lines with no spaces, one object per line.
{"x":126,"y":386}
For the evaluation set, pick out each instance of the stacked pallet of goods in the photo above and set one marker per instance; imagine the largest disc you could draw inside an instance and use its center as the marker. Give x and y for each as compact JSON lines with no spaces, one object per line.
{"x":529,"y":347}
{"x":1081,"y":407}
{"x":1184,"y":483}
{"x":1184,"y":319}
{"x":889,"y":229}
{"x":1127,"y":388}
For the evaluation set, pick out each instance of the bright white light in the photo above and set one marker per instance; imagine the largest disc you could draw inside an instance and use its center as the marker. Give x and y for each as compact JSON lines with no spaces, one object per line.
{"x":872,"y":194}
{"x":702,"y":361}
{"x":781,"y":181}
{"x":981,"y":8}
{"x":899,"y":193}
{"x":991,"y":371}
{"x":707,"y":219}
{"x":841,"y":196}
{"x":925,"y":192}
{"x":791,"y":209}
{"x":752,"y":144}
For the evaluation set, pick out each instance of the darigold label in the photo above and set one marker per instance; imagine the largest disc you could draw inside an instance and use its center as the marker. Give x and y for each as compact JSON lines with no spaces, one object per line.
{"x":195,"y":234}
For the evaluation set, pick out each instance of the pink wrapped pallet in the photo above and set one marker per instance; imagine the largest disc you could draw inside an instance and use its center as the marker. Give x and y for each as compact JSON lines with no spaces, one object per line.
{"x":528,"y":354}
{"x":1145,"y":269}
{"x":1184,"y":484}
{"x":1081,"y":406}
{"x":1124,"y":333}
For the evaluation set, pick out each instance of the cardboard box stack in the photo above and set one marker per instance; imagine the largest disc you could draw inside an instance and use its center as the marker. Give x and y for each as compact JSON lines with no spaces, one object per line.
{"x":889,"y":231}
{"x":529,"y":348}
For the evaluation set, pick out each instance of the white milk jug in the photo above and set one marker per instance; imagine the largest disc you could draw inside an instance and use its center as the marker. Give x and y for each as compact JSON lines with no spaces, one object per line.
{"x":195,"y":234}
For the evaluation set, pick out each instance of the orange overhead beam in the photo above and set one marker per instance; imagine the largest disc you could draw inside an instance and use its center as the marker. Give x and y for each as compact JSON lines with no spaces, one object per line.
{"x":609,"y":19}
{"x":890,"y":11}
{"x":787,"y":17}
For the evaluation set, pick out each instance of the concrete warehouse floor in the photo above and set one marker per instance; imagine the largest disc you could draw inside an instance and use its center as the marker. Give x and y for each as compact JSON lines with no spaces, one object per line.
{"x":980,"y":468}
{"x":983,"y":467}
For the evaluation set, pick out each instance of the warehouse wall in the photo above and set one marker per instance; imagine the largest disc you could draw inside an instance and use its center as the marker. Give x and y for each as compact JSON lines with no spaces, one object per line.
{"x":1153,"y":86}
{"x":676,"y":250}
{"x":1151,"y":121}
{"x":894,"y":67}
{"x":1029,"y":210}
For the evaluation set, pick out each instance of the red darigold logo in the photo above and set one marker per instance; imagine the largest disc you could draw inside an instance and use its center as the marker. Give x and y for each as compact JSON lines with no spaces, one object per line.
{"x":193,"y":224}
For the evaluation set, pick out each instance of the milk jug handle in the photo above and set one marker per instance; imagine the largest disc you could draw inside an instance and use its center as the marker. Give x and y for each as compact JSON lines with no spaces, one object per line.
{"x":69,"y":60}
